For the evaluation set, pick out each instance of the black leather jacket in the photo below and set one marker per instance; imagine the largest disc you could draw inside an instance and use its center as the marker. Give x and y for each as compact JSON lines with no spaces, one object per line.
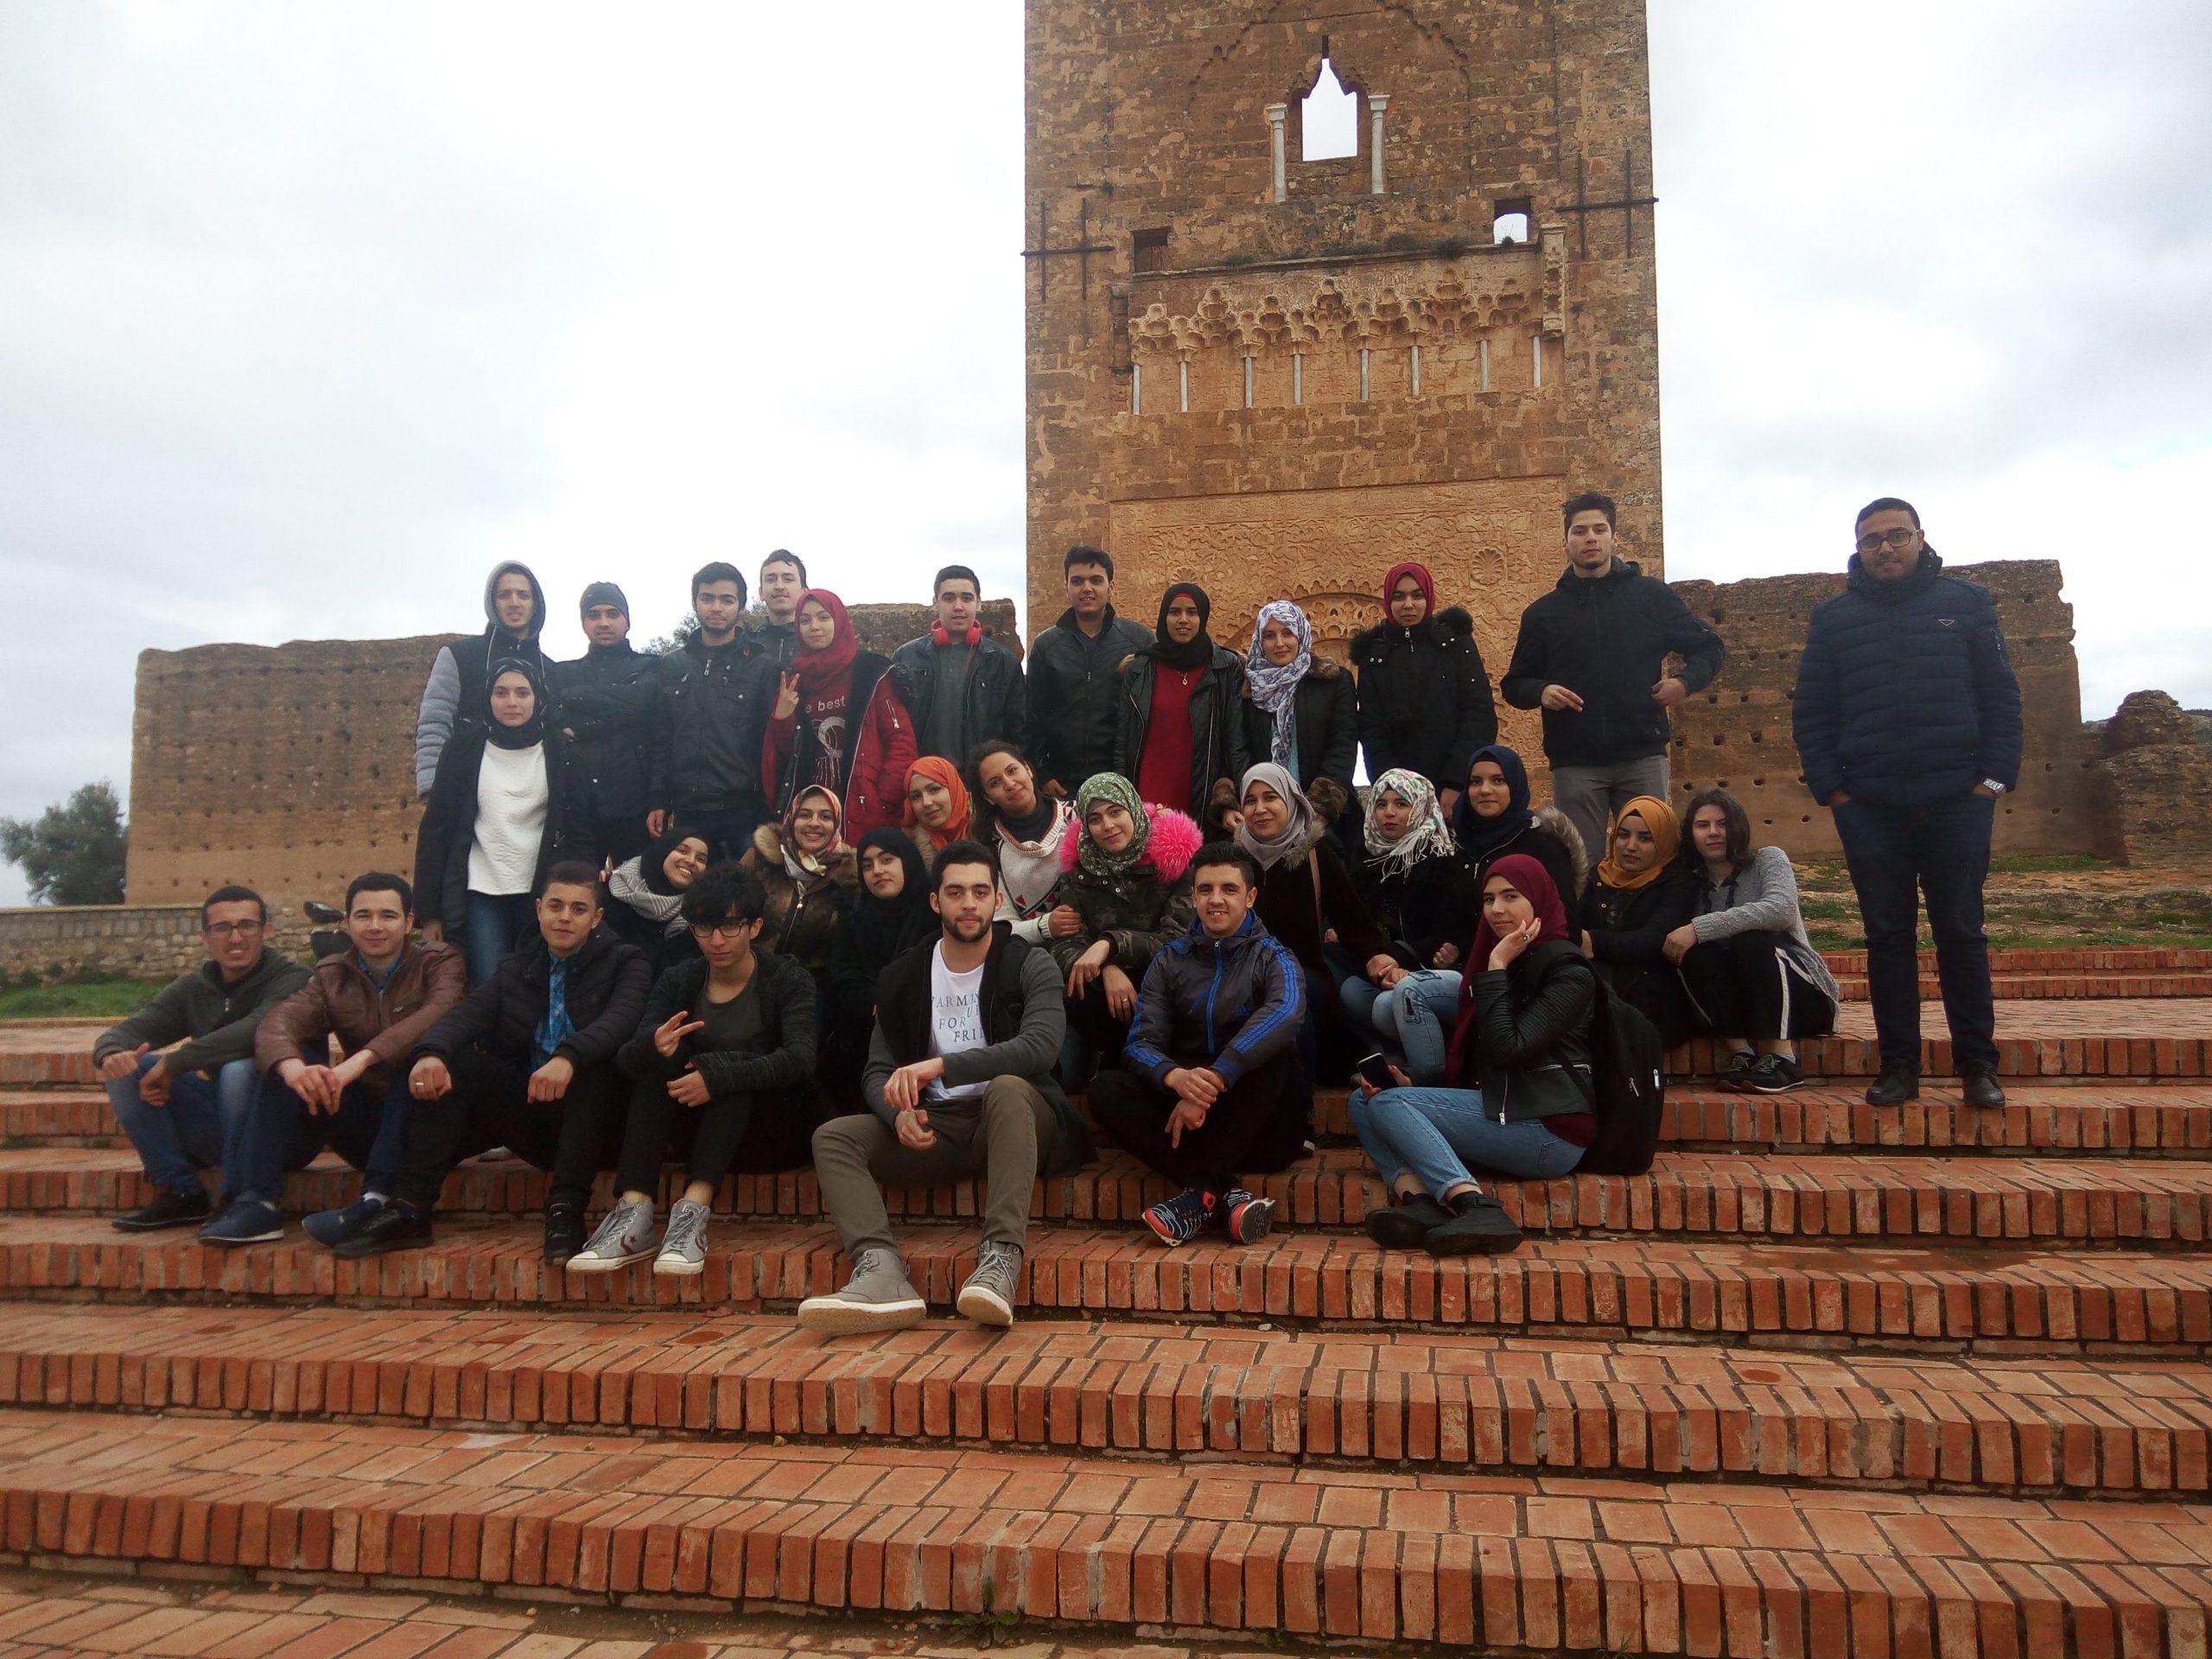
{"x":1532,"y":1035}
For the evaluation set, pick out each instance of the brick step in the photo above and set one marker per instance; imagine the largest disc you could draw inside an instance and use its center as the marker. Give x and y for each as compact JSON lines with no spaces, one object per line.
{"x":1544,"y":1564}
{"x":1992,"y":1424}
{"x":2012,"y":1302}
{"x":2068,"y":986}
{"x":2057,"y":959}
{"x":2097,"y":1203}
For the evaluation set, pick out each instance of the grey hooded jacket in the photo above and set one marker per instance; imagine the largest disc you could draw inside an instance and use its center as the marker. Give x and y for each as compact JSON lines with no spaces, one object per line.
{"x":461,"y":676}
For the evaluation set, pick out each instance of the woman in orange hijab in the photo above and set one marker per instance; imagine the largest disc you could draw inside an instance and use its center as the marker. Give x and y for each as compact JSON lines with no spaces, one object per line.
{"x":1638,"y":896}
{"x":937,"y":804}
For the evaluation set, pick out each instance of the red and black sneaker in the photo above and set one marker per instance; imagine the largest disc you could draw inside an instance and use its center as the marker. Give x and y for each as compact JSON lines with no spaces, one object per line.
{"x":1246,"y":1218}
{"x":1181,"y":1218}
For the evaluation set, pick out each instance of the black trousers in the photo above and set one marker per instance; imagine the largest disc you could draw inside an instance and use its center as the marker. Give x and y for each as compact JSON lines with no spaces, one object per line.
{"x":755,"y":1133}
{"x":574,"y":1137}
{"x":1746,"y":986}
{"x":1655,"y":991}
{"x":1259,"y":1124}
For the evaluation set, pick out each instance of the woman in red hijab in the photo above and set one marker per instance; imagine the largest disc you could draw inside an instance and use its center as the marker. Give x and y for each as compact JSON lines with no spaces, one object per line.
{"x":814,"y":727}
{"x":1424,"y":695}
{"x":1518,"y":1097}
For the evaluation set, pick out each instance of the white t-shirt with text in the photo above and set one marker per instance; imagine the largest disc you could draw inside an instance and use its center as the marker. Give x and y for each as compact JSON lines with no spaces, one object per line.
{"x":955,"y":1020}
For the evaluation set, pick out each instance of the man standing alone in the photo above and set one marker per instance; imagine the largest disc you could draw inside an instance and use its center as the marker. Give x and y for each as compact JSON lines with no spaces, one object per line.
{"x":1907,"y":718}
{"x":1590,"y":654}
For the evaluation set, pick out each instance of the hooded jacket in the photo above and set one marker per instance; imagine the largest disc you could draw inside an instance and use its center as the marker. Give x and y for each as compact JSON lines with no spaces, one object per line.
{"x":994,"y":702}
{"x":1424,"y":697}
{"x":606,"y":700}
{"x":607,"y":984}
{"x":1905,"y":693}
{"x":339,"y":1000}
{"x":217,"y":1022}
{"x":1229,"y":1004}
{"x":1135,"y":912}
{"x":1023,"y":1020}
{"x":461,"y":676}
{"x":800,"y":920}
{"x":789,"y":1042}
{"x":1075,"y":704}
{"x":715,"y":702}
{"x":1218,"y":746}
{"x":1606,"y":638}
{"x":449,"y":828}
{"x":1327,"y":705}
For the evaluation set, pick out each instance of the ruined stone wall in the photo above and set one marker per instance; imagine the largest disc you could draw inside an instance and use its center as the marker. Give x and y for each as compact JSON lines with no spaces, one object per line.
{"x":1736,"y":734}
{"x":1283,"y":397}
{"x":49,"y":943}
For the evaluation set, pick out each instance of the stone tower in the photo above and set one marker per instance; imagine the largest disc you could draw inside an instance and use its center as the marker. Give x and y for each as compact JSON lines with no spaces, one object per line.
{"x":1276,"y":370}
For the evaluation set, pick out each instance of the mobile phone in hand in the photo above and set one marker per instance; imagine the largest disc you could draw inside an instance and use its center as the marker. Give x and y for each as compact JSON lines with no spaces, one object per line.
{"x":1375,"y":1070}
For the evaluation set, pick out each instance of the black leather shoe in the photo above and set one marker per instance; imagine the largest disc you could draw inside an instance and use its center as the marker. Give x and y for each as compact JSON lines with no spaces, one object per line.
{"x":169,"y":1210}
{"x":1894,"y":1087}
{"x":564,"y":1230}
{"x":1479,"y":1226}
{"x":1981,"y":1088}
{"x":397,"y":1227}
{"x":1404,"y":1225}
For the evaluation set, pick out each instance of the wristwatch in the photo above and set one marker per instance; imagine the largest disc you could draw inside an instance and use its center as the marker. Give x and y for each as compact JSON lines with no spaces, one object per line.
{"x":1992,"y":785}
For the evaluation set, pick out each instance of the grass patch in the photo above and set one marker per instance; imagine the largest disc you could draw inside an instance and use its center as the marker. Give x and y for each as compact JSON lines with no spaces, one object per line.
{"x":91,"y":998}
{"x":2040,"y":863}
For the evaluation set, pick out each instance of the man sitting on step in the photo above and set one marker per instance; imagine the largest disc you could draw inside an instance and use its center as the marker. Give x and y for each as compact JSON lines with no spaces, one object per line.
{"x":183,"y":1110}
{"x":959,"y":1082}
{"x":1211,"y":1085}
{"x":526,"y":1060}
{"x":378,"y":999}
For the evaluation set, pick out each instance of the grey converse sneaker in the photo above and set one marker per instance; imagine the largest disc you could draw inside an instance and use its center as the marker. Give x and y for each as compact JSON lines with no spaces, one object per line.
{"x":988,"y":1297}
{"x":625,"y":1237}
{"x":683,"y":1246}
{"x":878,"y":1297}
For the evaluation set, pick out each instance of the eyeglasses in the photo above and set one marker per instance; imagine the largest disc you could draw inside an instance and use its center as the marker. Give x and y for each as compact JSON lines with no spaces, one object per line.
{"x":719,"y":930}
{"x":224,"y":929}
{"x":1873,"y":541}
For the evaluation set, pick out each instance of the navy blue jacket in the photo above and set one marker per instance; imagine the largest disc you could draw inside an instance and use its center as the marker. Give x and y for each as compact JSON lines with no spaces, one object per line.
{"x":1231,"y":1004}
{"x":1606,"y":638}
{"x":1905,"y":695}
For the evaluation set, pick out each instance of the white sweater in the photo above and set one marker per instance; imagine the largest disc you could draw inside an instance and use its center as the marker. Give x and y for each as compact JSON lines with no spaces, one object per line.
{"x":1029,"y":874}
{"x":511,"y":797}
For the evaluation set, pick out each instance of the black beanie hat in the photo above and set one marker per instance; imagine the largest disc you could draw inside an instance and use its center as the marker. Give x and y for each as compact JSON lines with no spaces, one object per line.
{"x":603,"y":593}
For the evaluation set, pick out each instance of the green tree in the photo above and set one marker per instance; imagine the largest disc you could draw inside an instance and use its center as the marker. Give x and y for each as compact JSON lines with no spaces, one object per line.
{"x":71,"y":854}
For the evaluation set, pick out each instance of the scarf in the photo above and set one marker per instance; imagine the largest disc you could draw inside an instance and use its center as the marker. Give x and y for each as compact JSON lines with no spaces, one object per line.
{"x":884,"y":927}
{"x":1427,"y":836}
{"x":1276,"y":688}
{"x":808,"y":867}
{"x":1420,"y":574}
{"x":1199,"y":652}
{"x":643,"y":883}
{"x":1089,"y":857}
{"x":531,"y":732}
{"x":940,"y":770}
{"x":1033,"y":826}
{"x":1297,"y":828}
{"x":556,"y":1028}
{"x":1480,"y":836}
{"x":1666,"y":835}
{"x":821,"y":671}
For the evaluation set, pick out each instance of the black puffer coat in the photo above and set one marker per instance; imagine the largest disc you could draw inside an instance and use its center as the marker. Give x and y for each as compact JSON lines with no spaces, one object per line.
{"x":1075,"y":696}
{"x":1606,"y":638}
{"x":1905,"y":693}
{"x":607,"y":984}
{"x":1328,"y":704}
{"x":1424,"y":697}
{"x":604,"y":703}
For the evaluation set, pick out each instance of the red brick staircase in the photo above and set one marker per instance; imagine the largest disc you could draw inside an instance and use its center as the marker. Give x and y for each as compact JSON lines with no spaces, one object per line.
{"x":1830,"y":1381}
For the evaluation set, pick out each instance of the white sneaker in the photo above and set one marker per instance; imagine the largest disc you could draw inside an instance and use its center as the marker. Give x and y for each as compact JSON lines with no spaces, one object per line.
{"x":625,"y":1237}
{"x":683,"y":1246}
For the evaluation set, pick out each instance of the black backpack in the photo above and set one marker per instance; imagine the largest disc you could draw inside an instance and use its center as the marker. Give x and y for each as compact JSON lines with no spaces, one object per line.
{"x":1628,"y":1065}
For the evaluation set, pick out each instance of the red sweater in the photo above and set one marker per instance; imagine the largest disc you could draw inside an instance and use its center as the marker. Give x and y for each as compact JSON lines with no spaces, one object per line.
{"x":1164,"y":769}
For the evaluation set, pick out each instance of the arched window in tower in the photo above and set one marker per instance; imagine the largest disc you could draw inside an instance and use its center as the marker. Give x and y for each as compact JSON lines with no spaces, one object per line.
{"x":1328,"y":118}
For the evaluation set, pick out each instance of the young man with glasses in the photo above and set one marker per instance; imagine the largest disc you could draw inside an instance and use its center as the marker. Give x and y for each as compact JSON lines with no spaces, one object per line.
{"x":1907,"y":717}
{"x":184,"y":1109}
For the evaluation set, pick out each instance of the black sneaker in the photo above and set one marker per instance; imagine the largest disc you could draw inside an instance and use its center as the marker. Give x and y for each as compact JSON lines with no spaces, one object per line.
{"x":169,"y":1210}
{"x":1741,"y":1064}
{"x":1404,"y":1225}
{"x":1180,"y":1219}
{"x":249,"y":1221}
{"x":395,"y":1227}
{"x":564,"y":1231}
{"x":1775,"y":1074}
{"x":1894,"y":1087}
{"x":1981,"y":1087}
{"x":331,"y":1228}
{"x":1479,"y":1226}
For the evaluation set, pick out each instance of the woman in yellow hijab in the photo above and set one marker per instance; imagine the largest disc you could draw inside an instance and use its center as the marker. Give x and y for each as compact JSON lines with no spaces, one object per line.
{"x":1636,"y":896}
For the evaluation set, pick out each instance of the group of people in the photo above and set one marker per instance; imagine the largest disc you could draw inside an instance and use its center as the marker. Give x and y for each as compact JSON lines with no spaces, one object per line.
{"x":771,"y":899}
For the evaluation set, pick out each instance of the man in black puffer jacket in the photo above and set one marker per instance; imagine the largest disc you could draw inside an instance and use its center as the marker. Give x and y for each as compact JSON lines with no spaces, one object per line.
{"x":608,"y":700}
{"x":1907,"y":718}
{"x":1075,"y":677}
{"x":526,"y":1060}
{"x":1592,"y":654}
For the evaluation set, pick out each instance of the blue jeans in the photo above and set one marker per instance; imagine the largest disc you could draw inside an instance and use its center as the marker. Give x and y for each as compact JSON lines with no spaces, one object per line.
{"x":1436,"y":1133}
{"x":1414,"y":1015}
{"x":198,"y":1129}
{"x":495,"y":921}
{"x":1896,"y":854}
{"x":367,"y":1130}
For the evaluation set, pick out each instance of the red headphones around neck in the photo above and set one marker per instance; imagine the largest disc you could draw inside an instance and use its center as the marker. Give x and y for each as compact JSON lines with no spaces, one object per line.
{"x":939,"y":633}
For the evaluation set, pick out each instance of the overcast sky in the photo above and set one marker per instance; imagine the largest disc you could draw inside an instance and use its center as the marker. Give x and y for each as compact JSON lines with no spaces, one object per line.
{"x":309,"y":314}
